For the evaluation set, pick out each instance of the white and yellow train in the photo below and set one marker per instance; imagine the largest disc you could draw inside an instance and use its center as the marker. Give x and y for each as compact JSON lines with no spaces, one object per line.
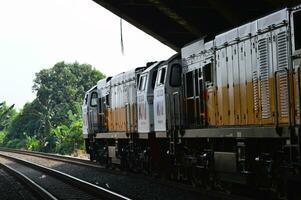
{"x":221,"y":110}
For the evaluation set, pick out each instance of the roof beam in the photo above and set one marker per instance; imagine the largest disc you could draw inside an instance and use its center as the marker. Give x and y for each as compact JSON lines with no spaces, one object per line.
{"x":175,"y":17}
{"x":225,"y":11}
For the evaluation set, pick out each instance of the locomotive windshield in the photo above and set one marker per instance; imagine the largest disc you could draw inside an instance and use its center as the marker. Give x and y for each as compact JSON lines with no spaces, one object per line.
{"x":175,"y":76}
{"x":161,"y":76}
{"x":142,"y":82}
{"x":93,"y":102}
{"x":297,"y":30}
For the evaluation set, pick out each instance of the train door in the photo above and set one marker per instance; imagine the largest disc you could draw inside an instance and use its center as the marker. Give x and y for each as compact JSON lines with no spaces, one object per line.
{"x":192,"y":100}
{"x":208,"y":101}
{"x":230,"y":85}
{"x":143,"y":114}
{"x":175,"y":82}
{"x":296,"y":50}
{"x":211,"y":96}
{"x":236,"y":81}
{"x":242,"y":82}
{"x":93,"y":116}
{"x":222,"y":87}
{"x":159,"y":101}
{"x":195,"y":96}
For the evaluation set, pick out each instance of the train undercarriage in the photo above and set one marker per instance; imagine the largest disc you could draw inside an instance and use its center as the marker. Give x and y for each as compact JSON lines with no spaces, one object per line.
{"x":268,"y":167}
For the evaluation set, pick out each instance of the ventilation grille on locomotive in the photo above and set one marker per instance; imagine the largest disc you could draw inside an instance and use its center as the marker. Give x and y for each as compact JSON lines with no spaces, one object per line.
{"x":264,"y":78}
{"x":282,"y":61}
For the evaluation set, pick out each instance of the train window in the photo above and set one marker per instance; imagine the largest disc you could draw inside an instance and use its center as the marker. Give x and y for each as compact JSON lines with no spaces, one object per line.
{"x":86,"y":99}
{"x":158,"y":77}
{"x":207,"y":73}
{"x":138,"y":78}
{"x":107,"y":100}
{"x":154,"y":78}
{"x":139,"y":83}
{"x":189,"y":84}
{"x":142,"y":82}
{"x":297,"y":30}
{"x":175,"y":75}
{"x":161,"y":76}
{"x":93,"y":101}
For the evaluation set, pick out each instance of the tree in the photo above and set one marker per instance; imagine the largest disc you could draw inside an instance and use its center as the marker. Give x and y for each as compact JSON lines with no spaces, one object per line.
{"x":6,"y":115}
{"x":62,"y":88}
{"x":33,"y":120}
{"x":60,"y":91}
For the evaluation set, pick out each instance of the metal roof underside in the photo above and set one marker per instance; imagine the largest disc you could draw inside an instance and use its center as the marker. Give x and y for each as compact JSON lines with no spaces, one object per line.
{"x":178,"y":22}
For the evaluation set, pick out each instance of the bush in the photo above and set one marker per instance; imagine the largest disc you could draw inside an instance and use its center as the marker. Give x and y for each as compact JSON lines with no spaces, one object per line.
{"x":16,"y":143}
{"x":69,"y":138}
{"x":32,"y":143}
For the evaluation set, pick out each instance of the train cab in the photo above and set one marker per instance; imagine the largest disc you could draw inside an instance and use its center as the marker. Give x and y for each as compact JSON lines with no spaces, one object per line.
{"x":145,"y":97}
{"x":103,"y":90}
{"x":167,"y":95}
{"x":90,"y":116}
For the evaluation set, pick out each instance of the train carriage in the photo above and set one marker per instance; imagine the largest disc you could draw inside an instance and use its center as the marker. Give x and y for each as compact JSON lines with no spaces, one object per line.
{"x":222,"y":110}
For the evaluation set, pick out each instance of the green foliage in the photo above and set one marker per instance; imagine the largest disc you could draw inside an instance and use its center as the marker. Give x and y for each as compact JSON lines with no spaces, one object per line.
{"x":2,"y":136}
{"x":16,"y":143}
{"x":61,"y":88}
{"x":32,"y":143}
{"x":7,"y":114}
{"x":69,"y":137}
{"x":52,"y":122}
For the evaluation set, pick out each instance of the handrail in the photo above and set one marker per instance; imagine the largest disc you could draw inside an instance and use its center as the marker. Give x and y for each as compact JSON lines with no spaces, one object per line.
{"x":299,"y":91}
{"x":90,"y":124}
{"x":126,"y":118}
{"x":174,"y":94}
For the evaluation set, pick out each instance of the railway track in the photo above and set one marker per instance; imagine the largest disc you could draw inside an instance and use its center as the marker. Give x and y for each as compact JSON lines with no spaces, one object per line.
{"x":52,"y":184}
{"x":56,"y":157}
{"x":86,"y":163}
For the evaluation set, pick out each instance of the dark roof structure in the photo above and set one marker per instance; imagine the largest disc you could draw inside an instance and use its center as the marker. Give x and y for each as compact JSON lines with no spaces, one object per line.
{"x":178,"y":22}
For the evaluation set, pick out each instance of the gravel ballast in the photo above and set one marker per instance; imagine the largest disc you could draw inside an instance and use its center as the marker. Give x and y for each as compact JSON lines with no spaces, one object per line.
{"x":132,"y":186}
{"x":11,"y":188}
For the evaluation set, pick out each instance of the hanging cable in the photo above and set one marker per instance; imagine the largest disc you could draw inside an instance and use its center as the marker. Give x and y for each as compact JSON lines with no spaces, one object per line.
{"x":121,"y":37}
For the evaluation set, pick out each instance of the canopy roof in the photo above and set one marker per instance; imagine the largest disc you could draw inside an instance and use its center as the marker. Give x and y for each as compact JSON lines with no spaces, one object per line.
{"x":178,"y":22}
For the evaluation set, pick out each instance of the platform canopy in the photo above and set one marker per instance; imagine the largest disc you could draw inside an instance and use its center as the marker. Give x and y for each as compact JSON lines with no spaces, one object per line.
{"x":178,"y":22}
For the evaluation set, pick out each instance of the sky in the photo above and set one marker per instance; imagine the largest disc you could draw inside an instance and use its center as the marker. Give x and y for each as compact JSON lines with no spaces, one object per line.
{"x":36,"y":34}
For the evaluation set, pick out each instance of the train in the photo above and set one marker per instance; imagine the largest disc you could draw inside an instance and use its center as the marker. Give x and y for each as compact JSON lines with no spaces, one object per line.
{"x":220,"y":111}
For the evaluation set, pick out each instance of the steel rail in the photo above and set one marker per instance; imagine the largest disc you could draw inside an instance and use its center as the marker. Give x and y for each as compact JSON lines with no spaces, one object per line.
{"x":86,"y":186}
{"x":40,"y":191}
{"x":56,"y":157}
{"x":212,"y":194}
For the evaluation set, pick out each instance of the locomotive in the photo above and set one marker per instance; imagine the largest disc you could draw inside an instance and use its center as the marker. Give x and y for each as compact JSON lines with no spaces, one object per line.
{"x":225,"y":110}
